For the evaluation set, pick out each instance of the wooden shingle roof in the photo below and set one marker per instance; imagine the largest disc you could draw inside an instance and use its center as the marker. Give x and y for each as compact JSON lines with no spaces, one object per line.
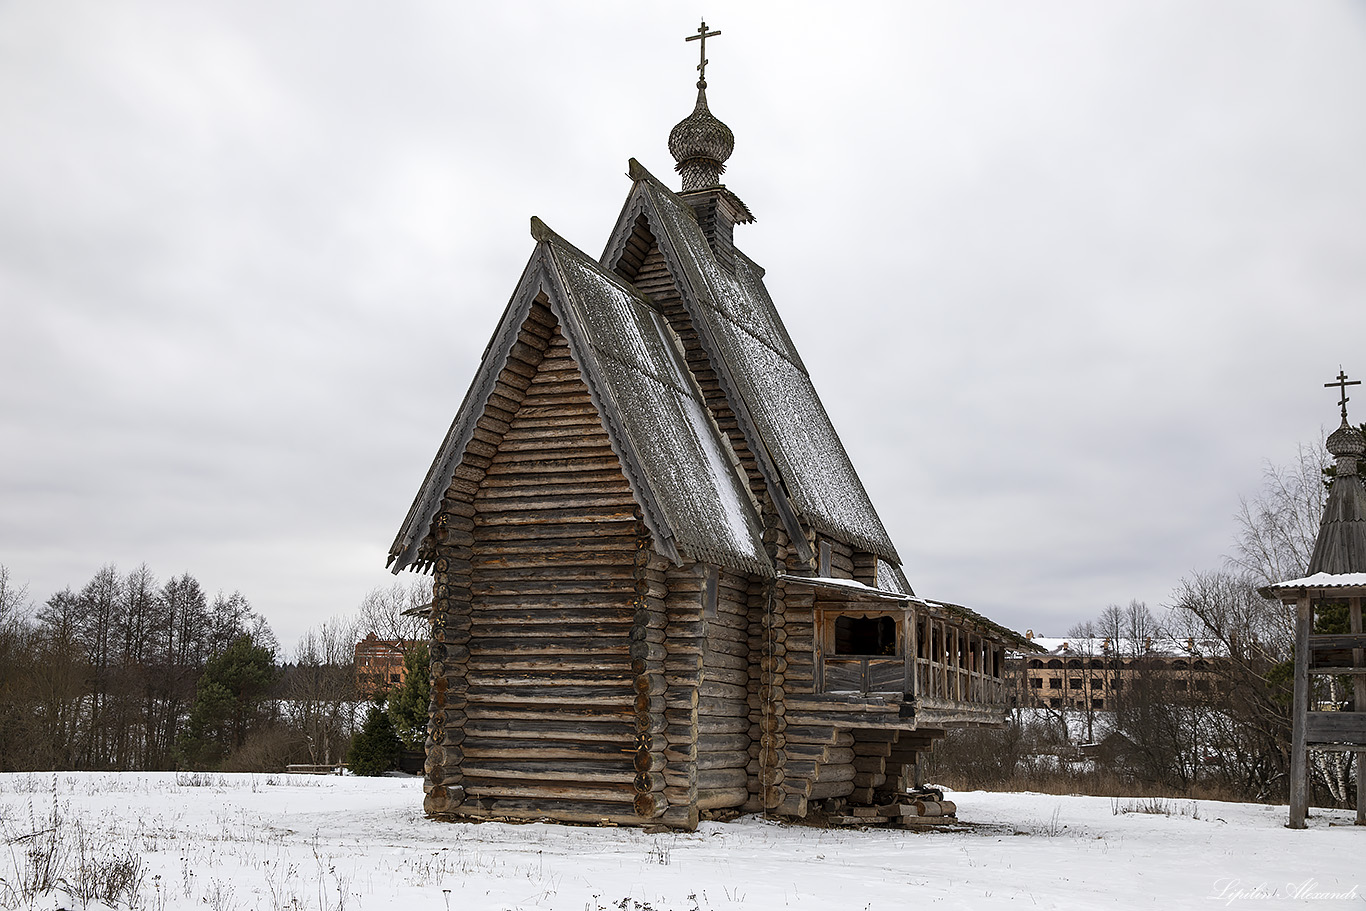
{"x":763,"y":376}
{"x":681,"y":468}
{"x":1341,"y":545}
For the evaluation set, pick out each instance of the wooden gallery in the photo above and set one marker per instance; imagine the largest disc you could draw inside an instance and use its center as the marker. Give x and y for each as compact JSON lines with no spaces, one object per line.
{"x":660,"y":587}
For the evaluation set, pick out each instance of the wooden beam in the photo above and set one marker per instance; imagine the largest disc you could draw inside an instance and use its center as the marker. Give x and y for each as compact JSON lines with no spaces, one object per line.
{"x":1359,"y":703}
{"x":1299,"y":798}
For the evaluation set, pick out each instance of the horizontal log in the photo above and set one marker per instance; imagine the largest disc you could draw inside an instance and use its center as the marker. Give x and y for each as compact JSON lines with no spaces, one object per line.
{"x":721,"y":778}
{"x":824,"y":790}
{"x":612,"y":621}
{"x":869,"y":779}
{"x":476,"y":750}
{"x":614,"y":646}
{"x":476,"y":677}
{"x":864,"y":748}
{"x":538,"y":418}
{"x":480,"y":772}
{"x":524,"y":456}
{"x":582,"y":602}
{"x":715,"y":689}
{"x":721,"y":798}
{"x":723,"y":759}
{"x":600,"y":697}
{"x":569,"y":791}
{"x":550,"y":504}
{"x":822,"y":734}
{"x":835,"y":772}
{"x":711,"y":724}
{"x":606,"y":590}
{"x":614,"y":733}
{"x":680,"y":777}
{"x":706,"y":630}
{"x":712,"y":707}
{"x":870,"y":764}
{"x":720,"y":660}
{"x":575,"y":515}
{"x":712,"y":742}
{"x":491,"y":559}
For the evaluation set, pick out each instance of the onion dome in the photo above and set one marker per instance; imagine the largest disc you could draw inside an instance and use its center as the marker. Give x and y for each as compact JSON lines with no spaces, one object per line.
{"x":1341,"y":543}
{"x":701,"y":143}
{"x":1347,"y":445}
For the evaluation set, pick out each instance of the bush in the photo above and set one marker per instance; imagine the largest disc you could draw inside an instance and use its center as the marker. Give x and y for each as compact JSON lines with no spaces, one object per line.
{"x":376,"y":748}
{"x":408,"y":706}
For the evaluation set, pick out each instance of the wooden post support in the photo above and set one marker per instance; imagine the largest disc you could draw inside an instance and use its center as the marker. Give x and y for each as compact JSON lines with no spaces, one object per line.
{"x":1359,"y":705}
{"x":1299,"y":796}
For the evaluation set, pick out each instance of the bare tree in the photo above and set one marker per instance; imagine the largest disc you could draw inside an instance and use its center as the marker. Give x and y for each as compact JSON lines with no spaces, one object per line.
{"x":1278,"y":527}
{"x":13,"y":597}
{"x":320,"y":689}
{"x":396,"y":612}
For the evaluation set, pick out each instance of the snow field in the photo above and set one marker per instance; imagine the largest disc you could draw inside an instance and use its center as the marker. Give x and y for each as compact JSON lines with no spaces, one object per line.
{"x":245,"y":842}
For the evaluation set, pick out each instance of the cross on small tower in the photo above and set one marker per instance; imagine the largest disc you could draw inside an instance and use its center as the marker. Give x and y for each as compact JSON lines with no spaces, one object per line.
{"x":702,"y":36}
{"x":1342,"y":384}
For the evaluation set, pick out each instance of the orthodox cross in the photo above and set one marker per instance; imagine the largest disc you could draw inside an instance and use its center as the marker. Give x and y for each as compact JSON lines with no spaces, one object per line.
{"x":702,"y":36}
{"x":1342,"y":384}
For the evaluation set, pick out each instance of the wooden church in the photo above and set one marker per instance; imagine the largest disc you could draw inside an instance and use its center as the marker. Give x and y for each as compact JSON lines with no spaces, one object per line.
{"x":660,"y":586}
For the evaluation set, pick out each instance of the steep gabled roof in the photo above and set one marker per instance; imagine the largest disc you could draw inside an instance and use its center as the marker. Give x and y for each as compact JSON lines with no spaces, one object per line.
{"x":681,"y":468}
{"x":759,"y":368}
{"x":1341,"y":544}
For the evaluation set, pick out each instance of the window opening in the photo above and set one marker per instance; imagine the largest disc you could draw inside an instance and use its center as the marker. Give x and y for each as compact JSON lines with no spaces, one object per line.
{"x":865,"y":636}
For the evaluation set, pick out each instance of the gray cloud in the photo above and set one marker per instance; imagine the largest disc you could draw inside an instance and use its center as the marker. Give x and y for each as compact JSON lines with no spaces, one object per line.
{"x":1064,"y":273}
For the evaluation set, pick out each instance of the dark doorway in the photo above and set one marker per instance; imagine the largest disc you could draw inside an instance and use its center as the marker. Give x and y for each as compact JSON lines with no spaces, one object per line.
{"x":865,"y":636}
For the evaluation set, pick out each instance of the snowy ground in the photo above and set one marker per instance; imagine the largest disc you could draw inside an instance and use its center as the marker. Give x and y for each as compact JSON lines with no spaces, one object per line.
{"x":294,"y":842}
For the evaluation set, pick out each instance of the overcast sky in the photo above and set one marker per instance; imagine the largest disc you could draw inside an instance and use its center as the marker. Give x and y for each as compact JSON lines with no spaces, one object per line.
{"x":1066,"y":274}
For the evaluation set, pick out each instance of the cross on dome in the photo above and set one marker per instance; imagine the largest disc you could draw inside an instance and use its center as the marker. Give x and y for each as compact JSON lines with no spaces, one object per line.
{"x":1342,"y":383}
{"x":702,"y":36}
{"x":700,"y":142}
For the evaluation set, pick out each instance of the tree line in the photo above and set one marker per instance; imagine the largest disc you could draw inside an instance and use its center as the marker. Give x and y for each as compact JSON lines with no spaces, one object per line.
{"x":130,"y":673}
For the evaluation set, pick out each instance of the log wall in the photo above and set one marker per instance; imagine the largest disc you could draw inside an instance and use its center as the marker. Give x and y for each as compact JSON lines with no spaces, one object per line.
{"x":539,"y":695}
{"x":452,"y":596}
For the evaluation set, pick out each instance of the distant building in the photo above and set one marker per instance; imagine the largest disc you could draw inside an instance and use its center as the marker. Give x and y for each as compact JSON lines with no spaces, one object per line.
{"x":1093,"y":673}
{"x":379,"y":665}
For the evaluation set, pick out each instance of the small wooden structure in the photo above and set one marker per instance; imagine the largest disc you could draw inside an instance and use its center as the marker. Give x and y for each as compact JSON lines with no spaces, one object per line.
{"x":660,"y":587}
{"x":1337,"y":574}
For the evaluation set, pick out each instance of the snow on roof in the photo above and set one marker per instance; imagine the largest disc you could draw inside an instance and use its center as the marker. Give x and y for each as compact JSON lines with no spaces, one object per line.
{"x":686,"y":477}
{"x":1321,"y":580}
{"x":695,"y":478}
{"x":1157,"y":646}
{"x":851,"y":584}
{"x":744,"y":335}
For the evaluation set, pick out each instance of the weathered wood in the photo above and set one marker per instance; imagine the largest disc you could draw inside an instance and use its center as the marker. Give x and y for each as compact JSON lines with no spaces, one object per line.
{"x":1299,"y":800}
{"x":1338,"y":642}
{"x":1336,"y":727}
{"x":550,"y":726}
{"x":479,"y":772}
{"x":721,"y":798}
{"x":520,"y":749}
{"x":556,"y":695}
{"x":824,"y":790}
{"x":710,"y":779}
{"x":565,"y":810}
{"x":723,"y":759}
{"x":711,"y":725}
